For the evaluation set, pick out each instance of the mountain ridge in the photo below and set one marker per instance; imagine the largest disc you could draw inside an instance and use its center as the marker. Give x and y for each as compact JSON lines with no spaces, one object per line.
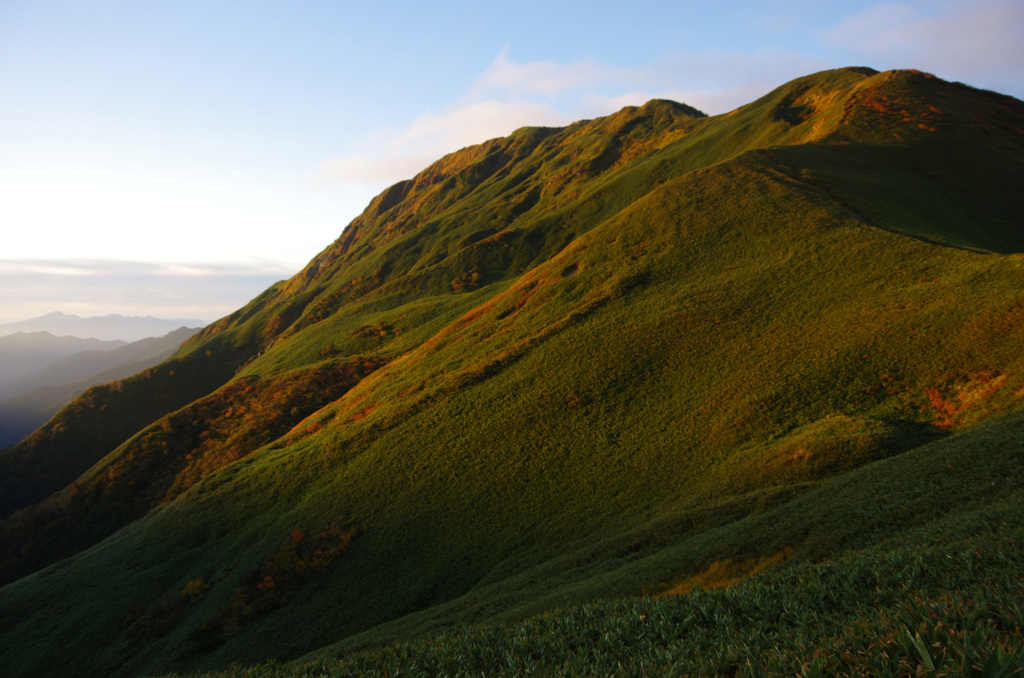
{"x":112,"y":326}
{"x":25,"y":352}
{"x":29,"y":402}
{"x":563,"y":339}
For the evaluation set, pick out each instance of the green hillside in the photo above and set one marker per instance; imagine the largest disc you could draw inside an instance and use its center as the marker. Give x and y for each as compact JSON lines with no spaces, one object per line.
{"x":566,"y":365}
{"x":908,"y":560}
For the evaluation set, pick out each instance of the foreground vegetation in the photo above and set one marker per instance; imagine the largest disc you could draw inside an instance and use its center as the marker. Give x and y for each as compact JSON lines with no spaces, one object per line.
{"x":849,"y":617}
{"x":943,"y":598}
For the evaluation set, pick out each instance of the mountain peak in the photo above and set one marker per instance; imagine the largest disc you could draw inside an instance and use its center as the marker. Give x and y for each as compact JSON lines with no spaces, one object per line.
{"x":667,"y":106}
{"x":108,"y":327}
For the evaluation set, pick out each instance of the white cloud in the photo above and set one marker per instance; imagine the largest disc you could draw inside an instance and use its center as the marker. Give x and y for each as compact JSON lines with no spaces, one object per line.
{"x":547,"y":78}
{"x":465,"y":123}
{"x":371,"y":170}
{"x":509,"y":95}
{"x":52,"y":268}
{"x":432,"y":135}
{"x":97,"y":287}
{"x":979,"y":42}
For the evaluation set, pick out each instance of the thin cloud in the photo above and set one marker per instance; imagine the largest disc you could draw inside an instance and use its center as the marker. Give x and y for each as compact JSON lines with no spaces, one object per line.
{"x":509,"y":95}
{"x":466,"y":123}
{"x":708,"y":101}
{"x":99,"y":287}
{"x":52,"y":268}
{"x":117,"y":267}
{"x":979,"y":42}
{"x":547,"y":78}
{"x":433,"y":135}
{"x":371,"y":170}
{"x":713,"y":81}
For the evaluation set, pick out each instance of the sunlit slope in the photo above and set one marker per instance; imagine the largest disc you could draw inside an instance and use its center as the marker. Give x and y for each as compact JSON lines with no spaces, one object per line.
{"x":918,"y":155}
{"x":539,"y":345}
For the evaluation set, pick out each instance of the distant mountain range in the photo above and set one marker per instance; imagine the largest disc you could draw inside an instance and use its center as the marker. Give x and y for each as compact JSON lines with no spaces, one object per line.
{"x":535,"y":405}
{"x":23,"y":353}
{"x":27,"y":403}
{"x":46,"y":362}
{"x":107,"y":328}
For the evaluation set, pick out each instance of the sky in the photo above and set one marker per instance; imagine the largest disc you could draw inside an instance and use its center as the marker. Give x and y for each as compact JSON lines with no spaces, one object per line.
{"x":175,"y":158}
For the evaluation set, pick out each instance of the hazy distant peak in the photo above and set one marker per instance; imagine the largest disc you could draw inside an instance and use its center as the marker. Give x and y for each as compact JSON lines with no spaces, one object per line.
{"x":108,"y":327}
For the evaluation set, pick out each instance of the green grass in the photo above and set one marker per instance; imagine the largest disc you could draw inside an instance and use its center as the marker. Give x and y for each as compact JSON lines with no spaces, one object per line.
{"x":691,"y":340}
{"x":939,"y":589}
{"x":851,"y":616}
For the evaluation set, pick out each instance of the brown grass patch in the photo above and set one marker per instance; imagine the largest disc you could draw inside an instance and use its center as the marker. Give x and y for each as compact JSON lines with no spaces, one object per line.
{"x":726,"y":572}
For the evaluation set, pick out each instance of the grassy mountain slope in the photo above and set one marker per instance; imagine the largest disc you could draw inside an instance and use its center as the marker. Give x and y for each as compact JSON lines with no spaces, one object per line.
{"x":542,"y":358}
{"x":106,"y":415}
{"x":919,"y":550}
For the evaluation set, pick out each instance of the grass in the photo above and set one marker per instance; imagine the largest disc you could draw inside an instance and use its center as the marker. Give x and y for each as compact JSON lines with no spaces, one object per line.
{"x":938,"y":595}
{"x":639,"y":372}
{"x":847,"y":617}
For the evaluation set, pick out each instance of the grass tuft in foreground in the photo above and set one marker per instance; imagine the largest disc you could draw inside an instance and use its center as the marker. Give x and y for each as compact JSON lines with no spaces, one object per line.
{"x":944,"y":600}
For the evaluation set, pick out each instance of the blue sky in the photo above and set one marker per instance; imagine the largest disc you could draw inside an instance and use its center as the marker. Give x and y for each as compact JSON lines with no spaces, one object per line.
{"x":174,"y":158}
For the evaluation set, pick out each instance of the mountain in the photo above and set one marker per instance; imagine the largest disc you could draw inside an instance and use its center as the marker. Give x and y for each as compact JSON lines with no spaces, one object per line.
{"x":108,"y":327}
{"x":85,"y":364}
{"x":567,"y":367}
{"x":29,"y":402}
{"x":23,"y":353}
